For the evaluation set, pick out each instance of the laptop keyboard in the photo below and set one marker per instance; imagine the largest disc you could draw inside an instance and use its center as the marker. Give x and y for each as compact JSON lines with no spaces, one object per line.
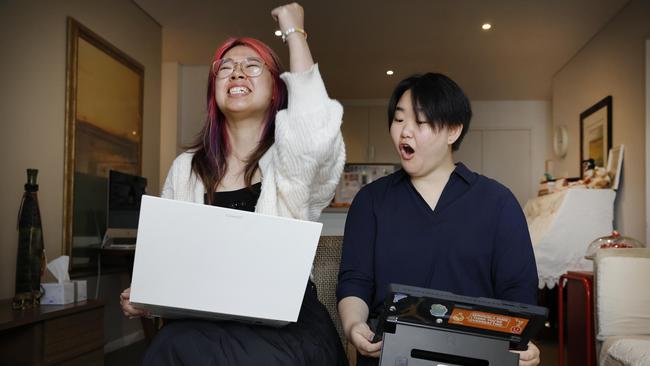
{"x":119,"y":241}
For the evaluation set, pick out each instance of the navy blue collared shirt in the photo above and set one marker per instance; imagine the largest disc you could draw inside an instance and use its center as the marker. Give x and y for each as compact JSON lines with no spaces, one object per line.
{"x":474,"y":243}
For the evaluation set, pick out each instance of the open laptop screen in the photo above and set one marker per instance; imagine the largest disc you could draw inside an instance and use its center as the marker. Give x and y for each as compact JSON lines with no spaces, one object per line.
{"x":196,"y":260}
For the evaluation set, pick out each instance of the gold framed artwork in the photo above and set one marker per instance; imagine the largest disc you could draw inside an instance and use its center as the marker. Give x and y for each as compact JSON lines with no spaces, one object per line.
{"x":615,"y":164}
{"x":104,"y":103}
{"x":596,"y":133}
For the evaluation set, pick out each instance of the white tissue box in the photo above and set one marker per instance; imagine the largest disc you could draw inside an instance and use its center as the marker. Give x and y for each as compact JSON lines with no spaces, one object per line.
{"x":58,"y":293}
{"x":65,"y":292}
{"x":80,"y":293}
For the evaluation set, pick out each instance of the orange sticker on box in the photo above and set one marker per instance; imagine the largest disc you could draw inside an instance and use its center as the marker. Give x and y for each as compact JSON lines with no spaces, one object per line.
{"x":489,"y":321}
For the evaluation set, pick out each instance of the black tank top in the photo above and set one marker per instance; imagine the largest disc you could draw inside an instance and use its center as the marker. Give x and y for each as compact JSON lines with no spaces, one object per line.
{"x":243,"y":199}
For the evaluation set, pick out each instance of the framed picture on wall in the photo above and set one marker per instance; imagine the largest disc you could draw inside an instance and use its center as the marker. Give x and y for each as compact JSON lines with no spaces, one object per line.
{"x":596,"y":133}
{"x":614,"y":165}
{"x":104,"y":109}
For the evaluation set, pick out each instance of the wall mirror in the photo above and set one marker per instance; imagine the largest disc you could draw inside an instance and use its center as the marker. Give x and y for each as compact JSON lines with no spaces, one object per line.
{"x":596,"y":133}
{"x":104,"y":99}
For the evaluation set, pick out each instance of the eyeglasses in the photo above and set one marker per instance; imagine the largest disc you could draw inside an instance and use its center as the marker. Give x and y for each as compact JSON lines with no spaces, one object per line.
{"x":250,"y":66}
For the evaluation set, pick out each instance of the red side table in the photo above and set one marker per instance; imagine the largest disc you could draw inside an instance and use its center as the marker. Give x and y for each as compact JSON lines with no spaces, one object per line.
{"x":579,"y":319}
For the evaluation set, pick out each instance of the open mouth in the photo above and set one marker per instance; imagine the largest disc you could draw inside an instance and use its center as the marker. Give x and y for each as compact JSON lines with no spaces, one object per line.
{"x":238,"y":90}
{"x":406,"y":151}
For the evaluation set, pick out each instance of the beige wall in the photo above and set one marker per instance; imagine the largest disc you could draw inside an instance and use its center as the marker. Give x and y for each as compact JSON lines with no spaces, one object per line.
{"x":32,"y":104}
{"x":647,"y":138}
{"x":169,"y":116}
{"x":612,"y":63}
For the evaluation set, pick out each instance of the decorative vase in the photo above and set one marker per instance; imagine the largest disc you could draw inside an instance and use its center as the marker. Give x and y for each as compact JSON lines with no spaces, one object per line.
{"x":30,"y":247}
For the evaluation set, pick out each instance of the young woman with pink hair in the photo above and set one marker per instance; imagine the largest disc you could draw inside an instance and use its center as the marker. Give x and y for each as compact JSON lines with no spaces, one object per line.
{"x":271,"y":144}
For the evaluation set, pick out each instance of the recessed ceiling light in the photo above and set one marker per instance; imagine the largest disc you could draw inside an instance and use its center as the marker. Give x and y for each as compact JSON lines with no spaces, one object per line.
{"x":486,"y":26}
{"x":278,"y":33}
{"x":389,"y":72}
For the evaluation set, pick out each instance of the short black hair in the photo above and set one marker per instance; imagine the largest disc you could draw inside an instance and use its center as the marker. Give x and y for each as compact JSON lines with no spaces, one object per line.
{"x":441,"y":100}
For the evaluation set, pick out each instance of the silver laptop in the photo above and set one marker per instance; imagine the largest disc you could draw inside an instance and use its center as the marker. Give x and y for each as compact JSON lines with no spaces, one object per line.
{"x":195,"y":260}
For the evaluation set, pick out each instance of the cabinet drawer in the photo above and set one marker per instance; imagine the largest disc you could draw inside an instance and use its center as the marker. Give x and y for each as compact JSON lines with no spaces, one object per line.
{"x":72,"y":335}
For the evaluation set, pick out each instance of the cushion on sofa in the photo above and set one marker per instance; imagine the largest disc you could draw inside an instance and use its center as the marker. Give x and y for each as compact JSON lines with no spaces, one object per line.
{"x":623,"y":351}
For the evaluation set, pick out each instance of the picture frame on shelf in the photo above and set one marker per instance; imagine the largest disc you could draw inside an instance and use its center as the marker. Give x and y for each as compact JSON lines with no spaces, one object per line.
{"x":596,"y":132}
{"x":615,"y":164}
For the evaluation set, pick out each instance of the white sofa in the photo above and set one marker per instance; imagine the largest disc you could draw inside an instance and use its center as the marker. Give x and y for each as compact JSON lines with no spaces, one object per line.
{"x":623,"y":306}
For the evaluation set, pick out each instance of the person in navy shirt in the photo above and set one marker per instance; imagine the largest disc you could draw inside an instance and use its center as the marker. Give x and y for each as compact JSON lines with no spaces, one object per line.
{"x":433,"y":223}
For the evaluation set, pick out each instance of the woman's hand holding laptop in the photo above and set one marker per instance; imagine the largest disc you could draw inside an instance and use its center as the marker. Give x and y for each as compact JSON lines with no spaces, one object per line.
{"x":128,"y":309}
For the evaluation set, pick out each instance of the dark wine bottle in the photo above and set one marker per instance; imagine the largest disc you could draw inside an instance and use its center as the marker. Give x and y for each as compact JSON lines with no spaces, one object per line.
{"x":30,"y":247}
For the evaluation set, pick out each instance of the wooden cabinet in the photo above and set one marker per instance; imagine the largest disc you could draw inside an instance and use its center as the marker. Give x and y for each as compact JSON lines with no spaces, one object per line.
{"x":380,"y":143}
{"x":502,"y":154}
{"x":506,"y":157}
{"x":366,"y":135}
{"x":52,"y":334}
{"x":355,"y":134}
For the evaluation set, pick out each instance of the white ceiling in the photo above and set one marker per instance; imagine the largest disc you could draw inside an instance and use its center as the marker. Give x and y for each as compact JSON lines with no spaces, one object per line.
{"x":356,"y":41}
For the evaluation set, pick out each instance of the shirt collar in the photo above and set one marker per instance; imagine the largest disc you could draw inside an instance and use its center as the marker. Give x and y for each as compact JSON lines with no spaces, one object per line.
{"x":461,"y":171}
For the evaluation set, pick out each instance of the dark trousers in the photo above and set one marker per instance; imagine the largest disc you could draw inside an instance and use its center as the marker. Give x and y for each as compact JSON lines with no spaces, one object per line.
{"x":312,"y":340}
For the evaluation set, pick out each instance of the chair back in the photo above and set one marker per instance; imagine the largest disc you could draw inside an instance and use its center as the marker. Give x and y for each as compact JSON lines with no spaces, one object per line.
{"x":622,"y":292}
{"x":326,"y":271}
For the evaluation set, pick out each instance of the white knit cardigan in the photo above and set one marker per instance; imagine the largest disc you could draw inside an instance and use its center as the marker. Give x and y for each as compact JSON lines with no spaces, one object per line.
{"x":301,"y":169}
